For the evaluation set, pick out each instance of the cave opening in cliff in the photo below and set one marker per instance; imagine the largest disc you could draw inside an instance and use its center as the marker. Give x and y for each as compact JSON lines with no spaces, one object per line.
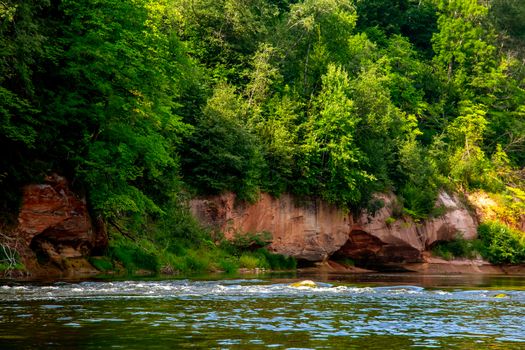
{"x":361,"y":249}
{"x":37,"y":245}
{"x":303,"y":263}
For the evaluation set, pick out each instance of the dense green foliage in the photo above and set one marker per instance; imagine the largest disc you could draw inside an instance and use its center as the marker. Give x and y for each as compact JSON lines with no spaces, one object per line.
{"x":498,"y":243}
{"x":142,"y":102}
{"x":154,"y":255}
{"x":502,"y":244}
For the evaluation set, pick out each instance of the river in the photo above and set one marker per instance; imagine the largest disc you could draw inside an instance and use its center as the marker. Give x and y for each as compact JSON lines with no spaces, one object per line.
{"x":394,"y":311}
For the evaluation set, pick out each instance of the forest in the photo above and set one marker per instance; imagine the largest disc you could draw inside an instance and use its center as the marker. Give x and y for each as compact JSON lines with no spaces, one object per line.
{"x":143,"y":104}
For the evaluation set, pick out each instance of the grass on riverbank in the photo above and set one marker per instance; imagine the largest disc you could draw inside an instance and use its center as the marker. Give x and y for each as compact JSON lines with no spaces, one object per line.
{"x":128,"y":256}
{"x":178,"y":244}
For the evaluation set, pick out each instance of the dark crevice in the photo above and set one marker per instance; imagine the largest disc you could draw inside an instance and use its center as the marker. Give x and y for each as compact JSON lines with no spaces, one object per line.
{"x":368,"y":251}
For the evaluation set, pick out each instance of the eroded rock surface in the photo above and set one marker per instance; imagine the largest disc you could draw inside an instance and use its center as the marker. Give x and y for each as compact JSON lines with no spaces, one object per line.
{"x":309,"y":230}
{"x":488,"y":209}
{"x":403,"y":239}
{"x":54,"y":228}
{"x":314,"y":230}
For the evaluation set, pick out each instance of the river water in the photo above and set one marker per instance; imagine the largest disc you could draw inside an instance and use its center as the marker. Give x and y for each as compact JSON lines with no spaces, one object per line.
{"x":264,"y":312}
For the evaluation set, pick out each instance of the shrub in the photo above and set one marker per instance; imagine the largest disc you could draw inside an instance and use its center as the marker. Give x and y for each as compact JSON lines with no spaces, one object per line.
{"x":417,"y":202}
{"x":501,"y":244}
{"x":228,"y":265}
{"x":251,"y":240}
{"x":133,"y":256}
{"x":442,"y":251}
{"x":262,"y":258}
{"x":345,"y":261}
{"x":101,"y":263}
{"x":177,"y":229}
{"x":390,"y":220}
{"x":278,"y":261}
{"x":195,"y":261}
{"x":458,"y":248}
{"x":252,"y":261}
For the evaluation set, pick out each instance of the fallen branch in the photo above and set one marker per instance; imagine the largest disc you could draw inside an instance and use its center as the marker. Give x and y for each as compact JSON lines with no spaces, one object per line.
{"x":121,"y":231}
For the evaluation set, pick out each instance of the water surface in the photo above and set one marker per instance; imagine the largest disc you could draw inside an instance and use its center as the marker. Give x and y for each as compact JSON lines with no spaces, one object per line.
{"x":345,"y":312}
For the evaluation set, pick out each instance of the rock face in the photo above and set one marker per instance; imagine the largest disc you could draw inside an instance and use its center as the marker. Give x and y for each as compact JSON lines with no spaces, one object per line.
{"x":488,"y":209}
{"x":314,"y":230}
{"x":54,"y":227}
{"x":310,"y":230}
{"x":403,"y":240}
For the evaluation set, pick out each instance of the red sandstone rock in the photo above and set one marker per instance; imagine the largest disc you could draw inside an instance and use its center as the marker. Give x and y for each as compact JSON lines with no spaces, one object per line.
{"x":55,"y":223}
{"x":311,"y":230}
{"x":314,"y":230}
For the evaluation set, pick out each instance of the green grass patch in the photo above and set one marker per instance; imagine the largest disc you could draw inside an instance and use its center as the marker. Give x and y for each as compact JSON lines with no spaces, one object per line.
{"x":175,"y":243}
{"x":262,"y":258}
{"x":252,"y":261}
{"x":229,"y":265}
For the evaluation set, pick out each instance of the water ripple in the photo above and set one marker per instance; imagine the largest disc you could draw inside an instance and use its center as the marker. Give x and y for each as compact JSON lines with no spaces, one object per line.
{"x":250,"y":313}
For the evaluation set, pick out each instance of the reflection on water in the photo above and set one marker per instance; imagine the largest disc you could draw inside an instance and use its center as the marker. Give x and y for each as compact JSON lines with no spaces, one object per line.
{"x":351,"y":312}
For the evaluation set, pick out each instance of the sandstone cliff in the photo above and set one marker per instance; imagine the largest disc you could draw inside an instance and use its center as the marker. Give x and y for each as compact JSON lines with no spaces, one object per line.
{"x":314,"y":230}
{"x":55,"y":232}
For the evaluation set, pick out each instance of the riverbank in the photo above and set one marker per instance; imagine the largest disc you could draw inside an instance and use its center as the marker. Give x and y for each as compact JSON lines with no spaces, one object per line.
{"x":432,"y":268}
{"x":56,"y":237}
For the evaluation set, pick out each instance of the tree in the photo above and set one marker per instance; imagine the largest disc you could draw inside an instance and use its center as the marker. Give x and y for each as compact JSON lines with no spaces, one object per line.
{"x":414,"y":19}
{"x":224,"y":34}
{"x":222,"y":155}
{"x":464,"y":45}
{"x":279,"y":132}
{"x":467,"y":160}
{"x":333,"y":162}
{"x":24,"y":31}
{"x":317,"y":32}
{"x":113,"y":103}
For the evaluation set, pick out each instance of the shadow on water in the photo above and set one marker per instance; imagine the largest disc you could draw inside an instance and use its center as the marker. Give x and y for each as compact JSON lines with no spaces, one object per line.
{"x":427,"y":281}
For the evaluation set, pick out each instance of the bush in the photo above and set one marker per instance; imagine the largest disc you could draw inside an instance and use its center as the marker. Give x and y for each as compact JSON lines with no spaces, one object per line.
{"x":342,"y":260}
{"x":196,"y":262}
{"x":278,"y":261}
{"x":177,"y":229}
{"x":501,"y":244}
{"x":133,"y":256}
{"x":262,"y":258}
{"x":228,"y":265}
{"x":101,"y":263}
{"x":251,"y":240}
{"x":252,"y":261}
{"x":457,"y":248}
{"x":167,"y":246}
{"x":417,"y":202}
